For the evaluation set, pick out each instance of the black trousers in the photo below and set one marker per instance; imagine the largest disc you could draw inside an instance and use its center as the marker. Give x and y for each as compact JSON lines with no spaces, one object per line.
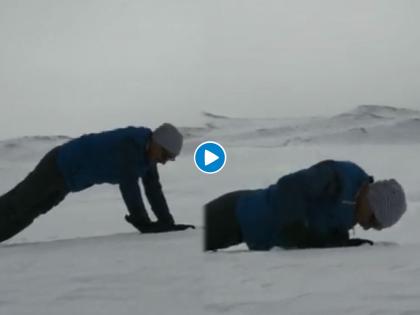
{"x":40,"y":191}
{"x":221,"y":225}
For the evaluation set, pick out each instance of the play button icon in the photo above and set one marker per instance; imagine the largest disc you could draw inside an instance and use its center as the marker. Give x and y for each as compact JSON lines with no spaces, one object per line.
{"x":210,"y":157}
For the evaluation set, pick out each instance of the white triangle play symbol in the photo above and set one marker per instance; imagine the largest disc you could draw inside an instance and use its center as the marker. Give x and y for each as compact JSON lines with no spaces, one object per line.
{"x":209,"y":157}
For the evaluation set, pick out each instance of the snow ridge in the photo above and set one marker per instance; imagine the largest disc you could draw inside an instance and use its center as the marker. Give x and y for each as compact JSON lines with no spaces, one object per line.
{"x":367,"y":124}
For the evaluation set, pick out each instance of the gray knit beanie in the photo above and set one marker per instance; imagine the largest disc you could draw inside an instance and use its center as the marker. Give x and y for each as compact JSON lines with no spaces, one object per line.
{"x":387,"y":200}
{"x":169,"y":138}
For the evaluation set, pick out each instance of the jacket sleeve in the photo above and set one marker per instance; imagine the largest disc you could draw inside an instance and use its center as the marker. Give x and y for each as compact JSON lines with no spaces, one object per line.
{"x":129,"y":185}
{"x":299,"y":235}
{"x":154,"y":193}
{"x":298,"y":191}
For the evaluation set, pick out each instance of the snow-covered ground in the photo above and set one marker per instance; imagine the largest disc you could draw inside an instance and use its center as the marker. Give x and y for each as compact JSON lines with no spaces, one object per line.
{"x":83,"y":258}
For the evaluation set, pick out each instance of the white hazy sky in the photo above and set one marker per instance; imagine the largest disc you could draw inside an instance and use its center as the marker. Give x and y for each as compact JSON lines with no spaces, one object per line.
{"x":74,"y":66}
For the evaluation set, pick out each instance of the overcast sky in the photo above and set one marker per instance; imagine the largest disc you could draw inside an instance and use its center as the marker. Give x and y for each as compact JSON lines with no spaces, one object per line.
{"x":75,"y":66}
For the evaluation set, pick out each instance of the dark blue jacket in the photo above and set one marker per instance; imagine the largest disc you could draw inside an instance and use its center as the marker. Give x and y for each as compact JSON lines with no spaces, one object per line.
{"x":317,"y":202}
{"x":115,"y":157}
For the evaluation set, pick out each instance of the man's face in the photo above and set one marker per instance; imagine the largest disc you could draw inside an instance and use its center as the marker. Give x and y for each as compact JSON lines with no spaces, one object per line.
{"x":364,"y":213}
{"x":165,"y":156}
{"x":159,"y":154}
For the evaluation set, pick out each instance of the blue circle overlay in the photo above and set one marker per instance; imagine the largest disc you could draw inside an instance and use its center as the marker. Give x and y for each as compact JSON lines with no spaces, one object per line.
{"x":214,"y":151}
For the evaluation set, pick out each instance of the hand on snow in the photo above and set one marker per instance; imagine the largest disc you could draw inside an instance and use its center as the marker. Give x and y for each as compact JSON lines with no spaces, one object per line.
{"x":181,"y":227}
{"x":157,"y":227}
{"x":358,"y":242}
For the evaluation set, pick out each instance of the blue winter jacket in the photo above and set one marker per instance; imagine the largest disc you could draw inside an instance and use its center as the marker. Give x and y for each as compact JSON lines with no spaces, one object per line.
{"x":116,"y":157}
{"x":320,"y":199}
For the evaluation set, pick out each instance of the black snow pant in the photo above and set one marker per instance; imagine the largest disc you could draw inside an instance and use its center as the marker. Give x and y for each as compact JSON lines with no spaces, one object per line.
{"x":40,"y":191}
{"x":220,"y":222}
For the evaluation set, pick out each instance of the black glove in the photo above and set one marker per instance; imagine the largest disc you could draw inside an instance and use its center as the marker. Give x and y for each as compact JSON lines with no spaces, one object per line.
{"x":157,"y":227}
{"x":358,"y":242}
{"x":180,"y":227}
